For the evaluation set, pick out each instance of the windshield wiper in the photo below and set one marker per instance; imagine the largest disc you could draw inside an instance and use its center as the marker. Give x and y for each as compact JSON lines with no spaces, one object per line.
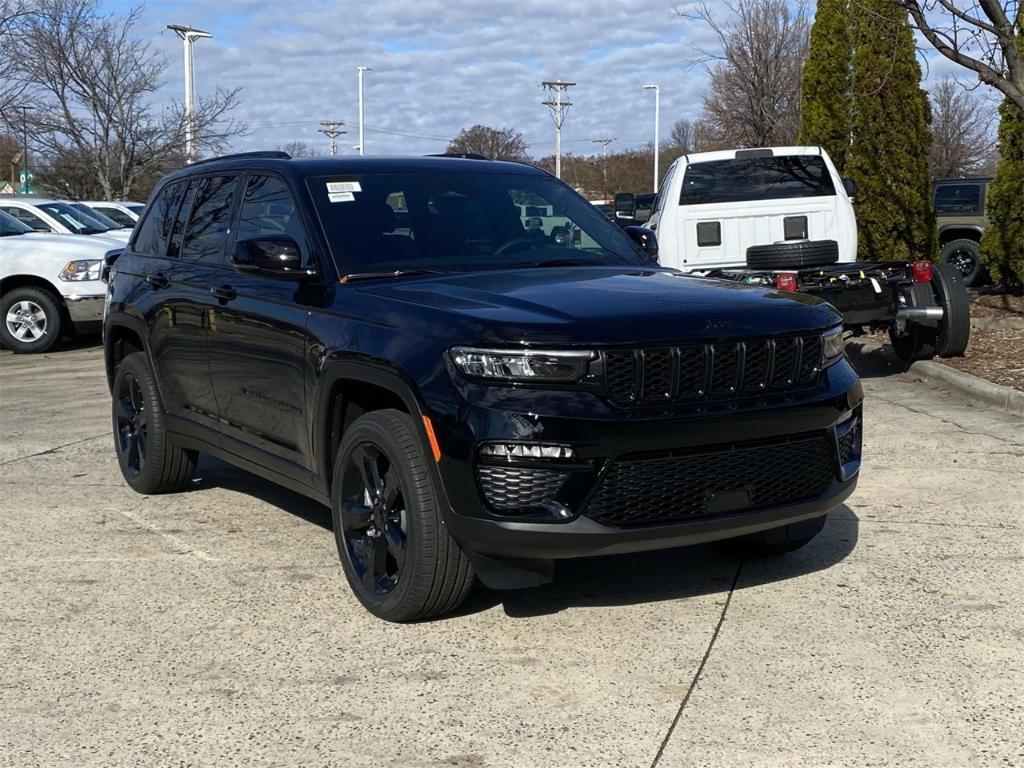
{"x":558,"y":263}
{"x":357,"y":276}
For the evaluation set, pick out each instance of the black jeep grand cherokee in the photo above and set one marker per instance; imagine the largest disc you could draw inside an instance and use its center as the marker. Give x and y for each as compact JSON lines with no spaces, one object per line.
{"x":474,"y":368}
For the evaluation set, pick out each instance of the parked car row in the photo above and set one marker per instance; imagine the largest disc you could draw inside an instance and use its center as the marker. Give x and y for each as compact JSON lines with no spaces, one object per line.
{"x":51,"y":252}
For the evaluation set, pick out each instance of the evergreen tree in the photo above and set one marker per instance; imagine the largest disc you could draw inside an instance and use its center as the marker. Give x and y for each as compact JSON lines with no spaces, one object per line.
{"x":891,"y":138}
{"x":825,"y":107}
{"x":1002,"y":245}
{"x":1003,"y":241}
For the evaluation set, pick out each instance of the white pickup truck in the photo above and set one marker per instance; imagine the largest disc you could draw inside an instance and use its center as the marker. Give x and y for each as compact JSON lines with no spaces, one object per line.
{"x":49,"y":285}
{"x":782,"y":216}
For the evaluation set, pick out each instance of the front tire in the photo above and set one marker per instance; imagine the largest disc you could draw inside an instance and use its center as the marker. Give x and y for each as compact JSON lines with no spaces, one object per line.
{"x":32,"y":320}
{"x":397,"y":554}
{"x":955,"y":327}
{"x":149,"y":461}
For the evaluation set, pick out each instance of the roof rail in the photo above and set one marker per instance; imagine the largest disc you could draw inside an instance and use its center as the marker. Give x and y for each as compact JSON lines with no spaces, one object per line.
{"x":274,"y":154}
{"x":462,"y":155}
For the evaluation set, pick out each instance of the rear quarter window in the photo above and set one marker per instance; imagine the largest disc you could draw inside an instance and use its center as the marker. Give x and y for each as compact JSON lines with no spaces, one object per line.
{"x":756,"y":178}
{"x":958,"y":200}
{"x":151,"y":238}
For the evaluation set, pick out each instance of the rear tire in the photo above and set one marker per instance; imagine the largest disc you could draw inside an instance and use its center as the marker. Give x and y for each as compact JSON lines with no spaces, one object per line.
{"x":397,"y":554}
{"x":963,"y":255}
{"x":917,"y":342}
{"x":955,"y":327}
{"x":149,"y":461}
{"x":32,"y":320}
{"x":776,"y":541}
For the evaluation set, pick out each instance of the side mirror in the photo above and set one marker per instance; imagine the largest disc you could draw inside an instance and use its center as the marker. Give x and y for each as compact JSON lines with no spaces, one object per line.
{"x":108,"y":261}
{"x":270,"y":255}
{"x":851,"y":187}
{"x":645,"y":238}
{"x":625,"y":205}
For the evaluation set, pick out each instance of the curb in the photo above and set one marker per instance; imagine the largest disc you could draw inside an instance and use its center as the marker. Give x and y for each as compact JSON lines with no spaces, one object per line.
{"x":994,"y":395}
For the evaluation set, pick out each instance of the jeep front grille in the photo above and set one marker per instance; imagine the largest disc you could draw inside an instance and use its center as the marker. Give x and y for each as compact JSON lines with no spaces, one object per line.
{"x":715,"y":370}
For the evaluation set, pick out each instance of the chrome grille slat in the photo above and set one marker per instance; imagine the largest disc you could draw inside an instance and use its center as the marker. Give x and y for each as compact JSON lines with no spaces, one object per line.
{"x":712,"y":370}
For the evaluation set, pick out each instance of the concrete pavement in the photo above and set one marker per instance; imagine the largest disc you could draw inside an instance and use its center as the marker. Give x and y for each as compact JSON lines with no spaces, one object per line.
{"x":214,"y":627}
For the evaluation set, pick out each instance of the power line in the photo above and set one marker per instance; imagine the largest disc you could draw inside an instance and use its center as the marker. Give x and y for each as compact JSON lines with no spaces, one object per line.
{"x":332,"y":129}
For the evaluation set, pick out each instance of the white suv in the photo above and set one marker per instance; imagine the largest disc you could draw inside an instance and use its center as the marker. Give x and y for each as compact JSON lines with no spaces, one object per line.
{"x":770,"y":208}
{"x":49,"y":285}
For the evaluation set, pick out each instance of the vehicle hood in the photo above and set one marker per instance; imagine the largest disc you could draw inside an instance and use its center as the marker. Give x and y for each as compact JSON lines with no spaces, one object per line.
{"x":603,"y":305}
{"x":43,"y":254}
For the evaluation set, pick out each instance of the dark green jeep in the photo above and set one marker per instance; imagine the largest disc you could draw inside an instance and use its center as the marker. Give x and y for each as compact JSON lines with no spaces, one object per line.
{"x":960,"y":216}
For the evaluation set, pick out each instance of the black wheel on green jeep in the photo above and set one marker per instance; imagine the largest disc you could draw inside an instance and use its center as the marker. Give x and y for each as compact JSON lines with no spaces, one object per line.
{"x":397,"y":554}
{"x":776,"y":541}
{"x":149,"y":461}
{"x":963,"y":254}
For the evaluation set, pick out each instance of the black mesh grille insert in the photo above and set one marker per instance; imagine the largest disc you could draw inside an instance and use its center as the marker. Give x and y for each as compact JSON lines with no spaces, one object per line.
{"x":755,"y":366}
{"x":784,"y":373}
{"x":719,"y":369}
{"x":849,"y":444}
{"x":620,"y":376}
{"x":691,"y":371}
{"x":724,"y":368}
{"x":729,"y":479}
{"x":508,"y":488}
{"x":810,"y":359}
{"x":657,"y":374}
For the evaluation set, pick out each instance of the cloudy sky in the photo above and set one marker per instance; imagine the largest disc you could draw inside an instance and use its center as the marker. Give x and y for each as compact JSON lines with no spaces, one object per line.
{"x":439,"y":66}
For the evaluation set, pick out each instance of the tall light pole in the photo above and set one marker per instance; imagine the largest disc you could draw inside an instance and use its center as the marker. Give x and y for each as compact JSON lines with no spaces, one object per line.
{"x":604,"y":159}
{"x":558,"y":106}
{"x":362,"y":141}
{"x":188,"y":36}
{"x":657,"y":119}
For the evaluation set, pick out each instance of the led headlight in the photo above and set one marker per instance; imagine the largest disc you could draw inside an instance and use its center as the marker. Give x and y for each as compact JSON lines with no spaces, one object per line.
{"x":832,"y":345}
{"x":75,"y":271}
{"x":522,"y":364}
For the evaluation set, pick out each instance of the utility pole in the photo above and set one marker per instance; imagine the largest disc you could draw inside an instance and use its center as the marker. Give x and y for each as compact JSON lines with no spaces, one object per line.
{"x":558,"y":106}
{"x":604,"y":159}
{"x":188,"y":36}
{"x":24,"y":149}
{"x":362,"y":140}
{"x":657,"y":119}
{"x":332,"y":129}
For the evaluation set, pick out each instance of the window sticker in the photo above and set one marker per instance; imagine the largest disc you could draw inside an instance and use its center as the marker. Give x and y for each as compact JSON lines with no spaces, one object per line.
{"x":343,"y":186}
{"x":340,"y":197}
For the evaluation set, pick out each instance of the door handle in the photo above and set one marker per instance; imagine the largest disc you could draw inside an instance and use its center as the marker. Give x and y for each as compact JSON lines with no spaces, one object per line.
{"x":224,"y":292}
{"x":158,"y":280}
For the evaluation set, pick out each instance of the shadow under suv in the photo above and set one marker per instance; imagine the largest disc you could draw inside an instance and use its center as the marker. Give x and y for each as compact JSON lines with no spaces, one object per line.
{"x":473,"y":391}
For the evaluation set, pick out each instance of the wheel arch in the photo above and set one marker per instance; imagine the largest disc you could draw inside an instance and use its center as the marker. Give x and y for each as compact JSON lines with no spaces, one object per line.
{"x":122,"y":335}
{"x":11,"y":282}
{"x":952,"y":232}
{"x":349,"y":389}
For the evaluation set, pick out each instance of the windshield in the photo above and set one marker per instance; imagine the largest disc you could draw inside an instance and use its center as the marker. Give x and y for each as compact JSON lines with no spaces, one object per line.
{"x":137,"y":209}
{"x":11,"y":226}
{"x":106,"y":221}
{"x":78,"y":222}
{"x":756,"y":178}
{"x":463,"y":222}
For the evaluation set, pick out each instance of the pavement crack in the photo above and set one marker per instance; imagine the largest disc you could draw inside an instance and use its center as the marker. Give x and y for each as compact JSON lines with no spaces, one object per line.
{"x":55,"y":448}
{"x":700,"y":668}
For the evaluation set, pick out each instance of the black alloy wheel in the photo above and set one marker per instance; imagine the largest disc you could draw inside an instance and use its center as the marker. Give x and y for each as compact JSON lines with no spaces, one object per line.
{"x":132,"y":424}
{"x":374,"y":518}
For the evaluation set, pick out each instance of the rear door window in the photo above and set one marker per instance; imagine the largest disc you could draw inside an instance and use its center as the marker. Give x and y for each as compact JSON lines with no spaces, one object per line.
{"x":209,"y":225}
{"x":152,"y":236}
{"x":177,"y":231}
{"x":958,"y":200}
{"x":756,"y":178}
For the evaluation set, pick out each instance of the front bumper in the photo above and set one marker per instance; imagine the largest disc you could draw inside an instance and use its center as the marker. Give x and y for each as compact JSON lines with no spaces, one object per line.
{"x":602,"y":437}
{"x":85,"y":310}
